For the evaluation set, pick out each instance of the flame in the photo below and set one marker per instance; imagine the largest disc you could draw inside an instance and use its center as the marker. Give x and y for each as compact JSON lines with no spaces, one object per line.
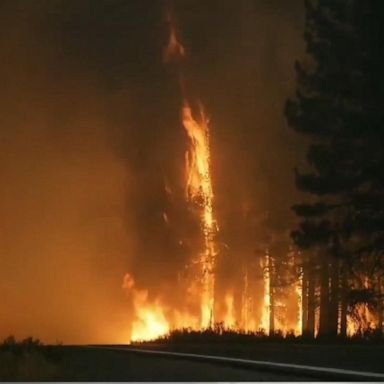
{"x":183,"y":319}
{"x":363,"y":320}
{"x":229,"y":318}
{"x":299,"y":293}
{"x":266,"y":298}
{"x":245,"y":302}
{"x":198,"y":177}
{"x":199,"y":190}
{"x":150,"y":322}
{"x":247,"y":320}
{"x":152,"y":318}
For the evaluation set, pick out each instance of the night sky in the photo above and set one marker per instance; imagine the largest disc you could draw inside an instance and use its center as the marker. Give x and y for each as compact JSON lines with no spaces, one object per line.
{"x":90,"y":133}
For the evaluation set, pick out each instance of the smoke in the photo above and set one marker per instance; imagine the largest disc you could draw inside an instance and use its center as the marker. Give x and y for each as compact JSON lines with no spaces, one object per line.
{"x":65,"y":242}
{"x":92,"y":152}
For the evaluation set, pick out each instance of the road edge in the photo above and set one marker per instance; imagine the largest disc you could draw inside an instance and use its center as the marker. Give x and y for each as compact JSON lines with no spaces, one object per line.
{"x":303,"y":370}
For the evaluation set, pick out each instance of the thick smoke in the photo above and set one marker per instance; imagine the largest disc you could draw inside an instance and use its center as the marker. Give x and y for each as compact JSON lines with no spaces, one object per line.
{"x":92,"y":151}
{"x":65,"y":238}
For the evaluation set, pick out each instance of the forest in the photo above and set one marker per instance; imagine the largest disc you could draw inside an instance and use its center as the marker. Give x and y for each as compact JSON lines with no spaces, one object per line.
{"x":338,"y":107}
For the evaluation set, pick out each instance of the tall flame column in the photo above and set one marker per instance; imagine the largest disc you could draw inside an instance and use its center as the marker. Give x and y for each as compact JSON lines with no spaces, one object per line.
{"x":198,"y":178}
{"x":199,"y":189}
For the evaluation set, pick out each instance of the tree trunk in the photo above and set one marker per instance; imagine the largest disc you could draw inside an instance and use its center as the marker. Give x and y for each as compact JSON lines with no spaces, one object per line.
{"x":311,"y":303}
{"x":343,"y":304}
{"x":304,"y":300}
{"x":271,"y":295}
{"x":334,"y":298}
{"x":380,"y":306}
{"x":324,"y":329}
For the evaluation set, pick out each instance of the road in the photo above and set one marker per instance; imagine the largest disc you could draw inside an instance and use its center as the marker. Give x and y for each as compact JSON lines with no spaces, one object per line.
{"x":100,"y":364}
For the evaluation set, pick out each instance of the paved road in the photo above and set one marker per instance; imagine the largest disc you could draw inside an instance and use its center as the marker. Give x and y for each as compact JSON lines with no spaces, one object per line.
{"x":366,"y":357}
{"x":111,"y":365}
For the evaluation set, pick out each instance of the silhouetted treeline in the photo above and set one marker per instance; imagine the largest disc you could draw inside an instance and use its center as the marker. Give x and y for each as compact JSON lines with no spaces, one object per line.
{"x":339,"y":105}
{"x":28,"y":360}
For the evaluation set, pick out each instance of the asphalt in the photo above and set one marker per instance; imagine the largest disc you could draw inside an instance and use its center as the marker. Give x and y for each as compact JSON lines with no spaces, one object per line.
{"x":358,"y":357}
{"x":102,"y":364}
{"x":324,"y":373}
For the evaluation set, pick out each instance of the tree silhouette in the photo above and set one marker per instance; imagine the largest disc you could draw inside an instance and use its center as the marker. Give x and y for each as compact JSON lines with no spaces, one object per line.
{"x":338,"y":104}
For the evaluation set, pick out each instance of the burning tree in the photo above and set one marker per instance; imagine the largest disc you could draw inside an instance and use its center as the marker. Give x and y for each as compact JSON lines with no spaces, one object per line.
{"x":330,"y":280}
{"x":198,"y":180}
{"x":338,"y":104}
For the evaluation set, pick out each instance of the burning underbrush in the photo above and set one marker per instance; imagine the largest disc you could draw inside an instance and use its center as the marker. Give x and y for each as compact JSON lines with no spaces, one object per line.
{"x":155,"y":321}
{"x":274,"y":312}
{"x":218,"y":334}
{"x":224,"y":336}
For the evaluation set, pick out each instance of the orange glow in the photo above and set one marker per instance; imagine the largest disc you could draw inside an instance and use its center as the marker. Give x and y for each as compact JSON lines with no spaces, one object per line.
{"x":111,"y":167}
{"x":154,"y":318}
{"x":174,"y":49}
{"x":363,"y":320}
{"x":229,"y":318}
{"x":248,"y":322}
{"x":149,"y":322}
{"x":299,"y":294}
{"x":199,"y":190}
{"x":266,"y":298}
{"x":182,"y":320}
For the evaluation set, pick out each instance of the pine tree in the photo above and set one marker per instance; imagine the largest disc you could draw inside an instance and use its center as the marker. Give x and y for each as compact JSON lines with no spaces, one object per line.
{"x":338,"y":103}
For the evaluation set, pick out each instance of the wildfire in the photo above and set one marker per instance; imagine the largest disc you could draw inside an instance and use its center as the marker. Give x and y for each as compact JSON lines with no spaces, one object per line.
{"x":248,"y":320}
{"x":230,"y":318}
{"x":299,"y":294}
{"x":362,"y":319}
{"x":152,"y":318}
{"x":199,"y":190}
{"x":150,"y":321}
{"x":267,"y":298}
{"x":198,"y":178}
